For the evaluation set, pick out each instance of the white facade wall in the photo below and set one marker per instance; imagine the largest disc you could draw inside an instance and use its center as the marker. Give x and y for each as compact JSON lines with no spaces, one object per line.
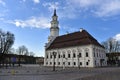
{"x":96,"y":57}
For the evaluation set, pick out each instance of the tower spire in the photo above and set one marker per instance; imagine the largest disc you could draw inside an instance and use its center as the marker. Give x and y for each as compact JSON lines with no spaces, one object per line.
{"x":54,"y":12}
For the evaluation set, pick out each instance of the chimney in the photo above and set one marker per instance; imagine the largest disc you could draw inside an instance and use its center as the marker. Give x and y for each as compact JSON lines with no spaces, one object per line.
{"x":81,"y":29}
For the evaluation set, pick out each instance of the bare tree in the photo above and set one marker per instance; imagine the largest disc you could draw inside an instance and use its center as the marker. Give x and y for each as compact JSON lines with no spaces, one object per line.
{"x":6,"y":42}
{"x":111,"y":45}
{"x":22,"y":50}
{"x":12,"y":51}
{"x":31,"y":53}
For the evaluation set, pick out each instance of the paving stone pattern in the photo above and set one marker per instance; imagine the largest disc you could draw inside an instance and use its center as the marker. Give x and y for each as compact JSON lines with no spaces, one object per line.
{"x":46,"y":73}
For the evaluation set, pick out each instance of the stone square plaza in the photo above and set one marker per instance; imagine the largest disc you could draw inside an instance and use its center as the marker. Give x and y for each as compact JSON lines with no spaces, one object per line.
{"x":36,"y":72}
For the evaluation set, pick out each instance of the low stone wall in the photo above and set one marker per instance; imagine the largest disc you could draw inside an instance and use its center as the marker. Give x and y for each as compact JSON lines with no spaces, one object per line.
{"x":30,"y":65}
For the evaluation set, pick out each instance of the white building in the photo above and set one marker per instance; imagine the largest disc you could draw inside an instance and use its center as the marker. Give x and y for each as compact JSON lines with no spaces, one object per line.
{"x":78,"y":49}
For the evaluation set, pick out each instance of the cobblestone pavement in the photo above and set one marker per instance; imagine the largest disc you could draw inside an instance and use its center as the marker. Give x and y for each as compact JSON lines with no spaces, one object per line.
{"x":45,"y":73}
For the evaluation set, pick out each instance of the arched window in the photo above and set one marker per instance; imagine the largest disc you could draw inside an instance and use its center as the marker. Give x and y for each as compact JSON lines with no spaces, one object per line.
{"x":68,"y":52}
{"x":58,"y":55}
{"x":47,"y":56}
{"x":51,"y":55}
{"x":63,"y":54}
{"x":79,"y":50}
{"x":68,"y":55}
{"x":74,"y":55}
{"x":86,"y":52}
{"x":94,"y":52}
{"x":74,"y":51}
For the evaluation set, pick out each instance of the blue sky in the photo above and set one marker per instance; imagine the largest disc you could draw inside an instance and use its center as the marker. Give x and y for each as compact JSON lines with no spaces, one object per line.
{"x":29,"y":20}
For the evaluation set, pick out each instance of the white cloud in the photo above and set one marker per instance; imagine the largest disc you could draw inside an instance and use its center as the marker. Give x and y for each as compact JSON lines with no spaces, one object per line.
{"x":110,"y":8}
{"x":2,"y":3}
{"x":36,"y":1}
{"x":51,"y":5}
{"x":62,"y":11}
{"x":33,"y":22}
{"x":82,"y":3}
{"x":117,"y":37}
{"x":99,"y":8}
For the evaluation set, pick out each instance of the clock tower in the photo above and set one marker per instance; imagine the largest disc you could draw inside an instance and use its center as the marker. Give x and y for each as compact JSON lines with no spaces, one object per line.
{"x":54,"y":29}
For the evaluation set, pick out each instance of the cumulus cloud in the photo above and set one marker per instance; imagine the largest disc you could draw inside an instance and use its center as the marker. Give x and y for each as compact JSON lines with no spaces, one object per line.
{"x":36,"y":1}
{"x":117,"y":37}
{"x":33,"y":22}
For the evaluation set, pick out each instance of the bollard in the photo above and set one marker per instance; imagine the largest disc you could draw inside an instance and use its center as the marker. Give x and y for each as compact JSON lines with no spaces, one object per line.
{"x":13,"y":72}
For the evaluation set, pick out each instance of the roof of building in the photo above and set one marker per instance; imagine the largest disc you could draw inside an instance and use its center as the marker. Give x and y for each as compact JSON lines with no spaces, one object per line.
{"x":74,"y":39}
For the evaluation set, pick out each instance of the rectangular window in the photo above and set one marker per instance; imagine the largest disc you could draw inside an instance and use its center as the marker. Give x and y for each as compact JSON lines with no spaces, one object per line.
{"x":58,"y":63}
{"x":94,"y":54}
{"x":63,"y":63}
{"x":86,"y":63}
{"x":80,"y":63}
{"x":54,"y":63}
{"x":54,"y":56}
{"x":68,"y":63}
{"x":86,"y":54}
{"x":50,"y":63}
{"x":47,"y":56}
{"x":74,"y":63}
{"x":80,"y":55}
{"x":46,"y":63}
{"x":50,"y":56}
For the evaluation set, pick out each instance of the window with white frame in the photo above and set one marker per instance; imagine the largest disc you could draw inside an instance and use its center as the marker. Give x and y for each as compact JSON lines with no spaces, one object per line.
{"x":86,"y":52}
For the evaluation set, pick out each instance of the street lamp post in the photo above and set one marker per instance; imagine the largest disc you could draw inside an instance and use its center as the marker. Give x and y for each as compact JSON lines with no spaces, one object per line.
{"x":54,"y":55}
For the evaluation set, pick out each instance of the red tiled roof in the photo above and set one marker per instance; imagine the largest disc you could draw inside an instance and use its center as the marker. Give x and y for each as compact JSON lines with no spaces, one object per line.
{"x":74,"y":39}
